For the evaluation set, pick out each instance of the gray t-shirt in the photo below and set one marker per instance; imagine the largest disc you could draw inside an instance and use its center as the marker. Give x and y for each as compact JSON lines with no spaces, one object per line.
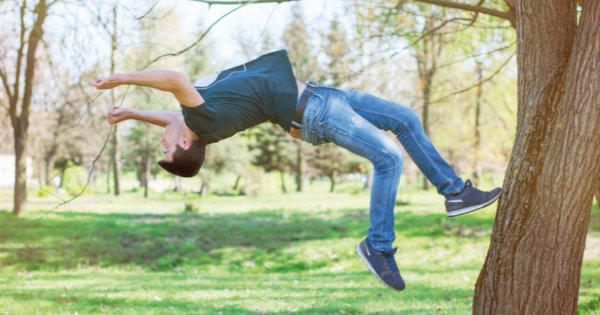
{"x":260,"y":90}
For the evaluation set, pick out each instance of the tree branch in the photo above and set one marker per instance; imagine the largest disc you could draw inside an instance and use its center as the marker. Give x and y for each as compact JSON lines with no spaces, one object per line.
{"x":443,"y":98}
{"x":507,"y":15}
{"x":6,"y":84}
{"x":174,"y":54}
{"x":240,"y":2}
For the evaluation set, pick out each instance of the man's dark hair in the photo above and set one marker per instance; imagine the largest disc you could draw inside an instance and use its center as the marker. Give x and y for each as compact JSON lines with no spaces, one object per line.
{"x":186,"y":163}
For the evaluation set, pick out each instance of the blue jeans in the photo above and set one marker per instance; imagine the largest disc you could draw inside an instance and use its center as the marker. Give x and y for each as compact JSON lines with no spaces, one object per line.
{"x":354,"y":120}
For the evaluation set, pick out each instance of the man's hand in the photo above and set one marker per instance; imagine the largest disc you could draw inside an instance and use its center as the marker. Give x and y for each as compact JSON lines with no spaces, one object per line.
{"x":109,"y":82}
{"x":117,"y":114}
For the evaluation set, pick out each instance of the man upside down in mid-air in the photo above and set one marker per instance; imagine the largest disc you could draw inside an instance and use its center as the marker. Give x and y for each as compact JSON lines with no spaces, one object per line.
{"x":265,"y":89}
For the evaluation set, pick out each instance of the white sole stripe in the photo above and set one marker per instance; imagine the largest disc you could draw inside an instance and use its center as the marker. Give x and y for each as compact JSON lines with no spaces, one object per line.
{"x":472,"y":208}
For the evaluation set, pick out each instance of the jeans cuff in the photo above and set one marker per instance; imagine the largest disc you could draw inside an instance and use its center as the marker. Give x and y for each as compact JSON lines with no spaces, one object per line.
{"x":457,"y":186}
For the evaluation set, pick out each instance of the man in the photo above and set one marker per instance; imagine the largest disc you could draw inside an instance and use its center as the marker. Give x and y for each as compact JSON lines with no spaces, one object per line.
{"x":265,"y":89}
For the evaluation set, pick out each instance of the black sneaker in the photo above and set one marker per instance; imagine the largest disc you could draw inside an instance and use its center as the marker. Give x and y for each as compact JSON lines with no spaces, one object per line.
{"x":381,"y":264}
{"x":470,"y":199}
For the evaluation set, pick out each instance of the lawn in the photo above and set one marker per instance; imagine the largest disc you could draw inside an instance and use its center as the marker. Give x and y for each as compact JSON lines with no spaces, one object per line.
{"x":290,"y":254}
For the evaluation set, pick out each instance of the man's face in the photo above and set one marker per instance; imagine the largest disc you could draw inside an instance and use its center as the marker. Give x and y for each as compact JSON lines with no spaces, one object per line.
{"x":169,"y":141}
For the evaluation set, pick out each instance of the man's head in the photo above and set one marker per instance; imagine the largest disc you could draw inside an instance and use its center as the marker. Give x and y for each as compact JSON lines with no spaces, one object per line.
{"x":183,"y":155}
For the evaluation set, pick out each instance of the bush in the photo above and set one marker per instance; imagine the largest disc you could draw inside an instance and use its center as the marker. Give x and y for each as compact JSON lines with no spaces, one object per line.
{"x":45,"y":191}
{"x":75,"y":178}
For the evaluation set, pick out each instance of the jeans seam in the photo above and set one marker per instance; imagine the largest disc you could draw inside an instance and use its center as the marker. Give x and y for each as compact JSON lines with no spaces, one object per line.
{"x":415,"y":140}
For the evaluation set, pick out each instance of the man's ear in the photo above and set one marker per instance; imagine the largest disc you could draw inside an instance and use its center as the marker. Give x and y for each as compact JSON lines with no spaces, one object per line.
{"x":186,"y":143}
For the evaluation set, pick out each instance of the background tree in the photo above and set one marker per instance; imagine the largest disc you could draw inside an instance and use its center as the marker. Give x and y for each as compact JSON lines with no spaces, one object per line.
{"x":19,"y":90}
{"x":428,"y":51}
{"x":304,"y":62}
{"x":272,"y":152}
{"x":330,"y":160}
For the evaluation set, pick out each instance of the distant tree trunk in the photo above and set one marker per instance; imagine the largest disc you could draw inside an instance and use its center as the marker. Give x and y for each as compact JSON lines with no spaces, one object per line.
{"x":282,"y":178}
{"x":147,"y":160}
{"x":147,"y":174}
{"x":598,"y":195}
{"x":48,"y":165}
{"x":477,"y":125}
{"x":237,"y":182}
{"x":300,"y":167}
{"x":368,"y":180}
{"x":20,"y":188}
{"x":20,"y":118}
{"x":425,"y":117}
{"x":534,"y":261}
{"x":116,"y":150}
{"x":428,"y":51}
{"x":108,"y":171}
{"x":332,"y":180}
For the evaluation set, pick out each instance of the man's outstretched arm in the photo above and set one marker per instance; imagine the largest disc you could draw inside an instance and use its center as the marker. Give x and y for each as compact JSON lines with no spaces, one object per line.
{"x":159,"y":118}
{"x":164,"y":80}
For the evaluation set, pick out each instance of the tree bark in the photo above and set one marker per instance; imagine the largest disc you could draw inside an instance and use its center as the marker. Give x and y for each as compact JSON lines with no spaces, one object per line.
{"x":534,"y":261}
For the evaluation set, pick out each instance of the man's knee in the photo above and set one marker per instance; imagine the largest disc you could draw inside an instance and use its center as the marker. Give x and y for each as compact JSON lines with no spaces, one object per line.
{"x":390,"y":157}
{"x":411,"y":120}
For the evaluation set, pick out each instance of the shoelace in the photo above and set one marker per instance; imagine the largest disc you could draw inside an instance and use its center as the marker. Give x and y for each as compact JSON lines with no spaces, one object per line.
{"x":390,"y":263}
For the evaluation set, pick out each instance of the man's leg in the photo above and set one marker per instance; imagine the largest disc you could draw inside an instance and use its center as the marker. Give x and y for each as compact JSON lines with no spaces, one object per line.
{"x":405,"y":124}
{"x":342,"y":126}
{"x":461,"y":197}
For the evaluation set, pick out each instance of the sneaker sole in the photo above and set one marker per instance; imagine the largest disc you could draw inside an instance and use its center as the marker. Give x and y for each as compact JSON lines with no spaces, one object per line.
{"x":473,"y":208}
{"x":368,"y":264}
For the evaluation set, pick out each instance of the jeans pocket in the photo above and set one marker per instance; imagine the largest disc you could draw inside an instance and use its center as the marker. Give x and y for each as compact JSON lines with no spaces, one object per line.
{"x":311,"y":132}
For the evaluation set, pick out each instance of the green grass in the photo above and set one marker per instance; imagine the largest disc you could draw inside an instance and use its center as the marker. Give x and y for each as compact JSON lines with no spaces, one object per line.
{"x":290,"y":254}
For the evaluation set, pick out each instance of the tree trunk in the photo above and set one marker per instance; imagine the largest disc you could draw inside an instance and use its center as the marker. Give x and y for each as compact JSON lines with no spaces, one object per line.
{"x":147,"y":174}
{"x":477,"y":126}
{"x":20,"y":120}
{"x":116,"y":148}
{"x":300,"y":167}
{"x":282,"y":178}
{"x":425,"y":116}
{"x":368,"y":180}
{"x":20,"y":189}
{"x":108,"y":171}
{"x":332,"y":180}
{"x":598,"y":195}
{"x":534,"y":261}
{"x":48,"y":163}
{"x":237,"y":183}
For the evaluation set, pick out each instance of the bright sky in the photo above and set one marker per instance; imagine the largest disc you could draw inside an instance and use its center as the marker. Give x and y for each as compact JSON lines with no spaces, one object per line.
{"x":251,"y":22}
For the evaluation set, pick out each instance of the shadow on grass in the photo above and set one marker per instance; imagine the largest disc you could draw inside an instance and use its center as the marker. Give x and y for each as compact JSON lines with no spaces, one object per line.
{"x":228,"y":295}
{"x":166,"y":241}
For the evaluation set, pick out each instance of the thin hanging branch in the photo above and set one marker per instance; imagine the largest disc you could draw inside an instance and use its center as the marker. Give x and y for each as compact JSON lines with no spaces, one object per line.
{"x":174,"y":54}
